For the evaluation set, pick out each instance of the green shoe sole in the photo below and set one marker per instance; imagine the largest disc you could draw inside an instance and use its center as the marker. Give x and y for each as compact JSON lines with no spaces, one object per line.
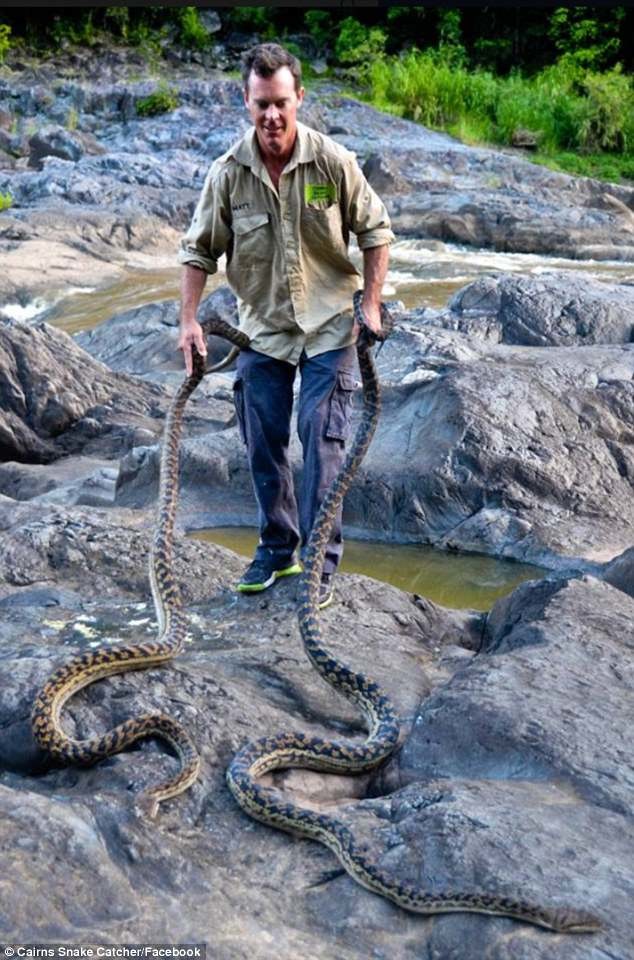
{"x":327,"y":601}
{"x":258,"y":587}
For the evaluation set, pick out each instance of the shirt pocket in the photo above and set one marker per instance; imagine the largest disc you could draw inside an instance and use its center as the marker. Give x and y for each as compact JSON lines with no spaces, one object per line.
{"x":322,"y":229}
{"x":338,"y":424}
{"x":252,"y":237}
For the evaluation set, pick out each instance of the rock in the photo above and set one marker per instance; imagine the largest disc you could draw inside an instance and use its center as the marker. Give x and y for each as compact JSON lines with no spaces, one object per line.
{"x":620,"y":572}
{"x":514,"y":451}
{"x":621,"y":208}
{"x":6,"y":141}
{"x":482,"y":197}
{"x":503,"y":783}
{"x":53,"y":141}
{"x":552,"y":309}
{"x":319,"y":66}
{"x":500,"y":744}
{"x":143,"y":341}
{"x":7,"y":162}
{"x":55,"y":399}
{"x":70,"y":480}
{"x":82,"y":245}
{"x":525,"y":139}
{"x":210,"y":20}
{"x":383,"y":175}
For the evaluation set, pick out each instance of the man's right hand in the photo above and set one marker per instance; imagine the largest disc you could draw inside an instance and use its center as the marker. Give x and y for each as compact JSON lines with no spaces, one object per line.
{"x":191,"y":335}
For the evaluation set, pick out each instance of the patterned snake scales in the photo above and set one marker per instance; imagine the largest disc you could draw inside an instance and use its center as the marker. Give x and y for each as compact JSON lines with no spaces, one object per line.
{"x":286,"y":749}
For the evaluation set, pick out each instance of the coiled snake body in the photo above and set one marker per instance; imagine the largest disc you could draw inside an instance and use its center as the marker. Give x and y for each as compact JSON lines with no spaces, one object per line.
{"x":286,"y":749}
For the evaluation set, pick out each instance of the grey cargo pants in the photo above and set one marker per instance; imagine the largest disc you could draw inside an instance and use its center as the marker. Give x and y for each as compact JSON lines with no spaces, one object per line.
{"x":263,"y":394}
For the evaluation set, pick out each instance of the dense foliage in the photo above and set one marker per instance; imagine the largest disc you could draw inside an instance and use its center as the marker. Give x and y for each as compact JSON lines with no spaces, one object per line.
{"x":556,"y":79}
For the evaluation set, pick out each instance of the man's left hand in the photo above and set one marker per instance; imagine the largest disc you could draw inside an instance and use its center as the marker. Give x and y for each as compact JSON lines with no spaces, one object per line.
{"x":372,"y":314}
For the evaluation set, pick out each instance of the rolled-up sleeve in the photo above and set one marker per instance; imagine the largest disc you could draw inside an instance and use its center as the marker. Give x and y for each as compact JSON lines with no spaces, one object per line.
{"x":210,"y":231}
{"x":367,"y":216}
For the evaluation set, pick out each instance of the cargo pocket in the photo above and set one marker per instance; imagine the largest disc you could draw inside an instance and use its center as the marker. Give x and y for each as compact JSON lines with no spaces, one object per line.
{"x":238,"y":402}
{"x":338,"y":424}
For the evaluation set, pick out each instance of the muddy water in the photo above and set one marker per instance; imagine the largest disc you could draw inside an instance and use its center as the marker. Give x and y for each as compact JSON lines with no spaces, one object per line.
{"x":461,"y":581}
{"x":422,"y":273}
{"x":427,"y":273}
{"x":85,"y":309}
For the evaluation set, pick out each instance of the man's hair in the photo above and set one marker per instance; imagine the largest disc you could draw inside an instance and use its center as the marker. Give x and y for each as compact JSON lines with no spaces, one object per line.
{"x":265,"y":58}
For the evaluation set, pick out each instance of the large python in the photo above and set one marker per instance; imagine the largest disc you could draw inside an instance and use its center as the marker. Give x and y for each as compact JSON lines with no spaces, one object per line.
{"x":286,"y":749}
{"x":296,"y":749}
{"x":87,"y":668}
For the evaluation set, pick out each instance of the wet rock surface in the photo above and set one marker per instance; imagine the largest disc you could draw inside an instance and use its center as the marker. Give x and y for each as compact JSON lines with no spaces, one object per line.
{"x":512,"y":775}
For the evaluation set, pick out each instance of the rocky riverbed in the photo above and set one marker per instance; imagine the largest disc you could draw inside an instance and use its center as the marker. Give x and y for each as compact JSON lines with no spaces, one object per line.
{"x":514,"y":774}
{"x":508,"y":429}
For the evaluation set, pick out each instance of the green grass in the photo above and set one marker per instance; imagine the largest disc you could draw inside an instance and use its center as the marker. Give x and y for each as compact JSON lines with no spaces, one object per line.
{"x":601,"y":166}
{"x":582,"y":121}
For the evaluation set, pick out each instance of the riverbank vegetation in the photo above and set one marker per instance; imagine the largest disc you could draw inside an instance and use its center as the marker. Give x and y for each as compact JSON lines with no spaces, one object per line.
{"x":557,"y":83}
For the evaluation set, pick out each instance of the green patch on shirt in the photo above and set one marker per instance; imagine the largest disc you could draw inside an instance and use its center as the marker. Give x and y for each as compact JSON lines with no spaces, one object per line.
{"x":316,"y":192}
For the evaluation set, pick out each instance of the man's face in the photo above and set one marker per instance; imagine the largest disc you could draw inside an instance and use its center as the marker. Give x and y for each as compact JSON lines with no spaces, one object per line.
{"x":272,"y":103}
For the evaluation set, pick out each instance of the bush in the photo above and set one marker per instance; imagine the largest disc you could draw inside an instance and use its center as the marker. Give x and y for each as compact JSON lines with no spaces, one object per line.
{"x":427,"y":88}
{"x":320,"y":27}
{"x":192,"y":32}
{"x":79,"y":30}
{"x":257,"y":19}
{"x":162,"y":100}
{"x":564,"y":106}
{"x":609,"y":120}
{"x":6,"y":200}
{"x":5,"y":42}
{"x":357,"y":44}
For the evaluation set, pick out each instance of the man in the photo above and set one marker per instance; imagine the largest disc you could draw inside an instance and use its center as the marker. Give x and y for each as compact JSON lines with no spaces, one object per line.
{"x":280,"y":204}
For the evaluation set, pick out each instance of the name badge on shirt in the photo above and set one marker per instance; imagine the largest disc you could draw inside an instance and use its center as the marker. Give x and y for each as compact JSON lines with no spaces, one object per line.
{"x":320,"y":192}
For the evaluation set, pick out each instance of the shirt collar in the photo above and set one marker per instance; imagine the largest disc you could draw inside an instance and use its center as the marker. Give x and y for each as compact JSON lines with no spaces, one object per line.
{"x":247,"y":151}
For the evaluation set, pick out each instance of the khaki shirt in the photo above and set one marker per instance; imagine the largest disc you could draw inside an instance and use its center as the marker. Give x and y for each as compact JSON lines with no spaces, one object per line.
{"x":287,"y":249}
